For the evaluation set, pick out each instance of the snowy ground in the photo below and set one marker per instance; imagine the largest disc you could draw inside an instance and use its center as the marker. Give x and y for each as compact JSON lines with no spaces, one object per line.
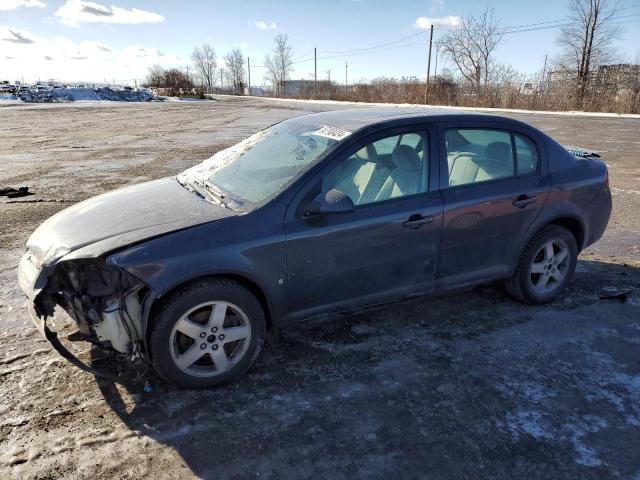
{"x":472,"y":385}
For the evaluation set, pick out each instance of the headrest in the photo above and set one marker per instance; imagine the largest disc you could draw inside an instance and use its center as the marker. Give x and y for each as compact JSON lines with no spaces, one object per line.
{"x":405,"y":158}
{"x":368,"y":153}
{"x":498,"y":151}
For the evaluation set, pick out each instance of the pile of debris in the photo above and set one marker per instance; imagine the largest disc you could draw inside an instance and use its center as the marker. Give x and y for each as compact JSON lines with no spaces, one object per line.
{"x":11,"y":192}
{"x":75,"y":94}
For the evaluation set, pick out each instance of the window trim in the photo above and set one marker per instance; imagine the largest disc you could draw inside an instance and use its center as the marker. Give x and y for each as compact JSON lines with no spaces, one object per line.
{"x":537,"y":152}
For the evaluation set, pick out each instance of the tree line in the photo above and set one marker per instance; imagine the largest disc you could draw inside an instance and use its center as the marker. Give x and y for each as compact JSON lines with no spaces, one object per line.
{"x":210,"y":74}
{"x":586,"y":74}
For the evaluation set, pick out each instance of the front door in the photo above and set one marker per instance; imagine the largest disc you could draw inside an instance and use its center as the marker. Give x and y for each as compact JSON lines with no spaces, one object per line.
{"x":387,"y":247}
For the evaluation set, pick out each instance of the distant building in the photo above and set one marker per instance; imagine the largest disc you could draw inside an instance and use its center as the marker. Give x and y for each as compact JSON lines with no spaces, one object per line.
{"x":624,"y":75}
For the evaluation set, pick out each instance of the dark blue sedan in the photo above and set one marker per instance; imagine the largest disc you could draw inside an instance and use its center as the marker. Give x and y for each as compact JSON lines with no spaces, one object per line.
{"x":320,"y":214}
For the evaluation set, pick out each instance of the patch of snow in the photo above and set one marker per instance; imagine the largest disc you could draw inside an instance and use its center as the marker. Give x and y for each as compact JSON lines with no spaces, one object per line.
{"x":528,"y":422}
{"x":80,"y":94}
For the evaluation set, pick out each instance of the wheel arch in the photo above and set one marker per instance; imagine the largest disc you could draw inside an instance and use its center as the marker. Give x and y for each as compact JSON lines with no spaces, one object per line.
{"x":155,"y":303}
{"x":572,"y":224}
{"x":569,"y":221}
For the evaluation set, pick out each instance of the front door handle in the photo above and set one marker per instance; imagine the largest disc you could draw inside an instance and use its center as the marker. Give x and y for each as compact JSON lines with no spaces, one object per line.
{"x":416,"y":220}
{"x":524,"y":200}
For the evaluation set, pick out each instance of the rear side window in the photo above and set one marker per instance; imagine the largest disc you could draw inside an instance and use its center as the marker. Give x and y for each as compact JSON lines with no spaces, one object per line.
{"x":478,"y":155}
{"x":526,"y":155}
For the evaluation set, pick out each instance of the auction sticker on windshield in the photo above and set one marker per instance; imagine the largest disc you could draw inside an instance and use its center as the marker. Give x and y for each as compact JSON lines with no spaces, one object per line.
{"x":333,"y":133}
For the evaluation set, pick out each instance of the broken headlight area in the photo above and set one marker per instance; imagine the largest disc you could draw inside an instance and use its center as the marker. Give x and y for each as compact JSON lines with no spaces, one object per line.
{"x":104,"y":301}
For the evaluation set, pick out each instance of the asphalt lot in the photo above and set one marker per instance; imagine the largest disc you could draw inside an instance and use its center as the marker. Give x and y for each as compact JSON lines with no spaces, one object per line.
{"x":472,"y":385}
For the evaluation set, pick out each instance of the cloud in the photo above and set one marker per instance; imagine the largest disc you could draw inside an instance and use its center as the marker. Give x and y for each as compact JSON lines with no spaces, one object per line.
{"x":66,"y":60}
{"x":263,"y":25}
{"x":74,"y":12}
{"x":17,"y":37}
{"x":448,"y":22}
{"x":6,"y":5}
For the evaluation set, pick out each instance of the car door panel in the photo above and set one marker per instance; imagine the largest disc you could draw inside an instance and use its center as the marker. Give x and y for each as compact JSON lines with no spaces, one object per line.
{"x":379,"y":252}
{"x":350,"y":260}
{"x":484,"y":223}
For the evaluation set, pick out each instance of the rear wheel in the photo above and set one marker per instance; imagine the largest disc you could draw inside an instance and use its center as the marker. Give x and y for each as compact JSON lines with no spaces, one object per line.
{"x":546,"y":266}
{"x":207,"y":333}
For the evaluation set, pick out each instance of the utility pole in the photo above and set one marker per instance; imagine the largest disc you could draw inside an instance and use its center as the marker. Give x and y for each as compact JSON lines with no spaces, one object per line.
{"x":346,"y":69}
{"x":249,"y":74}
{"x":315,"y":74}
{"x":426,"y":90}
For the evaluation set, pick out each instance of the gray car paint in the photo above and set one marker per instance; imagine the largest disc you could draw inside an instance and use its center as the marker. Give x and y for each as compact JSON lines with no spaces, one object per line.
{"x":169,"y":238}
{"x":122,"y":217}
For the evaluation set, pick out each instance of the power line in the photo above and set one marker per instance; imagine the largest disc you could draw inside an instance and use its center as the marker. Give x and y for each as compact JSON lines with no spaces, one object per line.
{"x":302,"y":56}
{"x":378,"y":46}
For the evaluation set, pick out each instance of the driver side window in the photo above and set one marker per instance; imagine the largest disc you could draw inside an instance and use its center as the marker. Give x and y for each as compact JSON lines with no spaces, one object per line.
{"x":388,"y":168}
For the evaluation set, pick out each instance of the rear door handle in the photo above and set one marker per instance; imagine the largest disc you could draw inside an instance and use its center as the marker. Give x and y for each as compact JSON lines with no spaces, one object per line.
{"x":416,"y":220}
{"x":524,"y":200}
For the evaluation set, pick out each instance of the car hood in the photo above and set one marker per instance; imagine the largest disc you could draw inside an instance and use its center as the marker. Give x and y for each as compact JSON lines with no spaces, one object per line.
{"x":119,"y":218}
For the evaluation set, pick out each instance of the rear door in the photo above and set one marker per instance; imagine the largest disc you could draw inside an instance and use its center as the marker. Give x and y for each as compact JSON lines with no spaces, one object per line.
{"x":387,"y":247}
{"x":494,"y":183}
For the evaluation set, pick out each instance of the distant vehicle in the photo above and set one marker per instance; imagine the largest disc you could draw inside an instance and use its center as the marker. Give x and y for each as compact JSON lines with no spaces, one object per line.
{"x":320,"y":214}
{"x":24,"y":87}
{"x":127,"y":88}
{"x":7,"y":88}
{"x":39,"y":87}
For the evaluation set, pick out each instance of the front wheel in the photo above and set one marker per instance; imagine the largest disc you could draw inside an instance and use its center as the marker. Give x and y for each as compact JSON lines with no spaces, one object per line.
{"x":545,"y":267}
{"x":207,"y":333}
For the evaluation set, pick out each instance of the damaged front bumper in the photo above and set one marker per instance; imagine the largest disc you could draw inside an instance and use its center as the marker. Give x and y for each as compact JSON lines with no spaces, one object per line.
{"x":104,"y":301}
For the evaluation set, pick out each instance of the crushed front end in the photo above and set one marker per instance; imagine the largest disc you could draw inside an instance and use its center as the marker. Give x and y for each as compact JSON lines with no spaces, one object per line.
{"x":104,"y":301}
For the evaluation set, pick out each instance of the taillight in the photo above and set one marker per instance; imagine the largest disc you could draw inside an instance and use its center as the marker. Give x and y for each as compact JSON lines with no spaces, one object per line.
{"x":606,"y":178}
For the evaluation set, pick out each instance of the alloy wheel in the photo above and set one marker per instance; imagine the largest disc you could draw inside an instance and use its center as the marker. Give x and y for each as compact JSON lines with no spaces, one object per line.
{"x":550,"y":266}
{"x":210,"y":338}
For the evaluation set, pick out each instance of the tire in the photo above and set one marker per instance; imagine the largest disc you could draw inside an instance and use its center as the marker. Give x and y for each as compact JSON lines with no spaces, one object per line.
{"x":216,"y":318}
{"x":536,"y":264}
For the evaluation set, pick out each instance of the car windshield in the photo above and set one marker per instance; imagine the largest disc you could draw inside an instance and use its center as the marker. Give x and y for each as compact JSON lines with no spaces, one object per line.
{"x":261,"y":166}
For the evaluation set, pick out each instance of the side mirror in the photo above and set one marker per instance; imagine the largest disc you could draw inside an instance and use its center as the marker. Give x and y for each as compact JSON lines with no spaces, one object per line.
{"x":333,"y":201}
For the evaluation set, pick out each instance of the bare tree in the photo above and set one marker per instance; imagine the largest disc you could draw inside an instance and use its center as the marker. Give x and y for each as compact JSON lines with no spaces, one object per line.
{"x":279,"y":62}
{"x":234,"y":60}
{"x":587,"y":38}
{"x":155,"y":77}
{"x":471,"y":47}
{"x":204,"y":59}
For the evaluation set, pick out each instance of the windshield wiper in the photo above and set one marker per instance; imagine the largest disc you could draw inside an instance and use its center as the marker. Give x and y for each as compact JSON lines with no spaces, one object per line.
{"x":212,"y":189}
{"x":206,"y":190}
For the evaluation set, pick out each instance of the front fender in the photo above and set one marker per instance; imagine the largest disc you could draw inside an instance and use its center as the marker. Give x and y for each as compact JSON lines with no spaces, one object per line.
{"x":251,"y":247}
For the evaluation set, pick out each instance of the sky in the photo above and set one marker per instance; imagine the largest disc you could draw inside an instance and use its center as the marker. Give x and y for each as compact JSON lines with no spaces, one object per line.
{"x":118,"y":40}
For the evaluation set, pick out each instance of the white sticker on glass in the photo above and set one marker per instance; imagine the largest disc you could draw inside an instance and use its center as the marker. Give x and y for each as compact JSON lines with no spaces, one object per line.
{"x":334,"y":133}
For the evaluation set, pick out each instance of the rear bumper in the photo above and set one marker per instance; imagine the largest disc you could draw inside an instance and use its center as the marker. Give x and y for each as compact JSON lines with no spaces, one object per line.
{"x":599,"y":213}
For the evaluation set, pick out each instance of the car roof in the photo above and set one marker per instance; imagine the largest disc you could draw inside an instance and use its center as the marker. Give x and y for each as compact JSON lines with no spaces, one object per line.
{"x":356,"y":118}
